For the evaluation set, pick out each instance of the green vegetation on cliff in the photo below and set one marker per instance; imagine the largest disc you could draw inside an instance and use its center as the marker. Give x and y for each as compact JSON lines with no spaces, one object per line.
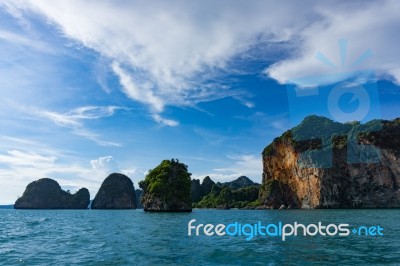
{"x":167,"y":187}
{"x":240,"y":193}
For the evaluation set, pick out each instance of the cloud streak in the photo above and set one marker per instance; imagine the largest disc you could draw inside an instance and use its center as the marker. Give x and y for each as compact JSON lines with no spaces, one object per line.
{"x":74,"y":120}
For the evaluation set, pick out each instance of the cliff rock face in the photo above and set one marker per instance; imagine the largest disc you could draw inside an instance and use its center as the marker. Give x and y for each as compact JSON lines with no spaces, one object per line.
{"x":116,"y":192}
{"x":139,"y":194}
{"x":207,"y":185}
{"x":198,"y":190}
{"x":294,"y":179}
{"x":46,"y":193}
{"x":167,"y":188}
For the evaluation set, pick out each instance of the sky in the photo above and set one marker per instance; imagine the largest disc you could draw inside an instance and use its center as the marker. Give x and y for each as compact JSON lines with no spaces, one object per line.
{"x":94,"y":87}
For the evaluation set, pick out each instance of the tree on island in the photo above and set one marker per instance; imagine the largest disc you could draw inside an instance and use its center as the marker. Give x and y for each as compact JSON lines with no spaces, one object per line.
{"x":167,"y":188}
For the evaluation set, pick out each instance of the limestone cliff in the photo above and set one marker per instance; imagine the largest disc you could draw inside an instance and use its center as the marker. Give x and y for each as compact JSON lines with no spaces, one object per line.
{"x":116,"y":192}
{"x":46,"y":193}
{"x":167,"y":188}
{"x":198,"y":190}
{"x":290,"y":181}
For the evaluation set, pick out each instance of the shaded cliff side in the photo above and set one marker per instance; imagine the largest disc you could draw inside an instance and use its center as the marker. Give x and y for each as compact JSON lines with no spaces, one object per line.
{"x":46,"y":193}
{"x":116,"y":192}
{"x":139,"y":194}
{"x":323,"y":164}
{"x":198,"y":191}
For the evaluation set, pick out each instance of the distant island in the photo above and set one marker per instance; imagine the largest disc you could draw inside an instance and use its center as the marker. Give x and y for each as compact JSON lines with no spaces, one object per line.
{"x":309,"y":166}
{"x":46,"y":193}
{"x":240,"y":193}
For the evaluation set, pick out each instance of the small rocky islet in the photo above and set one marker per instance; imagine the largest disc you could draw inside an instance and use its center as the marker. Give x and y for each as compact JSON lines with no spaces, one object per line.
{"x":46,"y":193}
{"x":167,"y":188}
{"x":286,"y":182}
{"x":116,"y":192}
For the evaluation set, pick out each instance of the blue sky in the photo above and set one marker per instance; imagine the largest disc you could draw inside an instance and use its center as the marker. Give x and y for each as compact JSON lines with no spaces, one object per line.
{"x":94,"y":87}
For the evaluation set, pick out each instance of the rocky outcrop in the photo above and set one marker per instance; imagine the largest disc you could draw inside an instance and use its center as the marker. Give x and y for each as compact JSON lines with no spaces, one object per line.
{"x":139,"y":194}
{"x":167,"y":188}
{"x":207,"y":185}
{"x":46,"y":193}
{"x":116,"y":192}
{"x":196,"y":190}
{"x":239,"y":193}
{"x":299,"y":173}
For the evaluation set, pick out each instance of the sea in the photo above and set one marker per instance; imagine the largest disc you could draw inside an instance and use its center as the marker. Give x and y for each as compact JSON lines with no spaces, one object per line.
{"x":135,"y":237}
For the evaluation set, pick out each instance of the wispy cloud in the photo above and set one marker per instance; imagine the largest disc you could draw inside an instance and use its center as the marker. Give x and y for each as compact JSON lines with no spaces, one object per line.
{"x":139,"y":92}
{"x":75,"y":118}
{"x":95,"y":137}
{"x":249,"y":165}
{"x":211,"y":137}
{"x":164,"y":121}
{"x":176,"y":56}
{"x":21,"y":40}
{"x":20,"y":158}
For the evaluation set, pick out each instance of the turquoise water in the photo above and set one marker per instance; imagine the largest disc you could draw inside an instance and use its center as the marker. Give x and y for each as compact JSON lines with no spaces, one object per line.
{"x":68,"y":237}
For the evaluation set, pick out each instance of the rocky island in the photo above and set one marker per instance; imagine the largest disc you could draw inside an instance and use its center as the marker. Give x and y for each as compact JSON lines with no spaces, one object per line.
{"x":116,"y":192}
{"x":239,"y":193}
{"x":166,"y":188}
{"x":46,"y":193}
{"x":292,"y":177}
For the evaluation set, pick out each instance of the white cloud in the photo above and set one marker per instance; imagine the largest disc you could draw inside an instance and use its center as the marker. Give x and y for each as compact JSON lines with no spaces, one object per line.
{"x":240,"y":165}
{"x":74,"y":120}
{"x":167,"y":122}
{"x":95,"y":138}
{"x":170,"y":53}
{"x":129,"y":172}
{"x":139,"y":92}
{"x":20,"y":40}
{"x":20,"y":158}
{"x":367,"y":26}
{"x":105,"y":165}
{"x":174,"y":53}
